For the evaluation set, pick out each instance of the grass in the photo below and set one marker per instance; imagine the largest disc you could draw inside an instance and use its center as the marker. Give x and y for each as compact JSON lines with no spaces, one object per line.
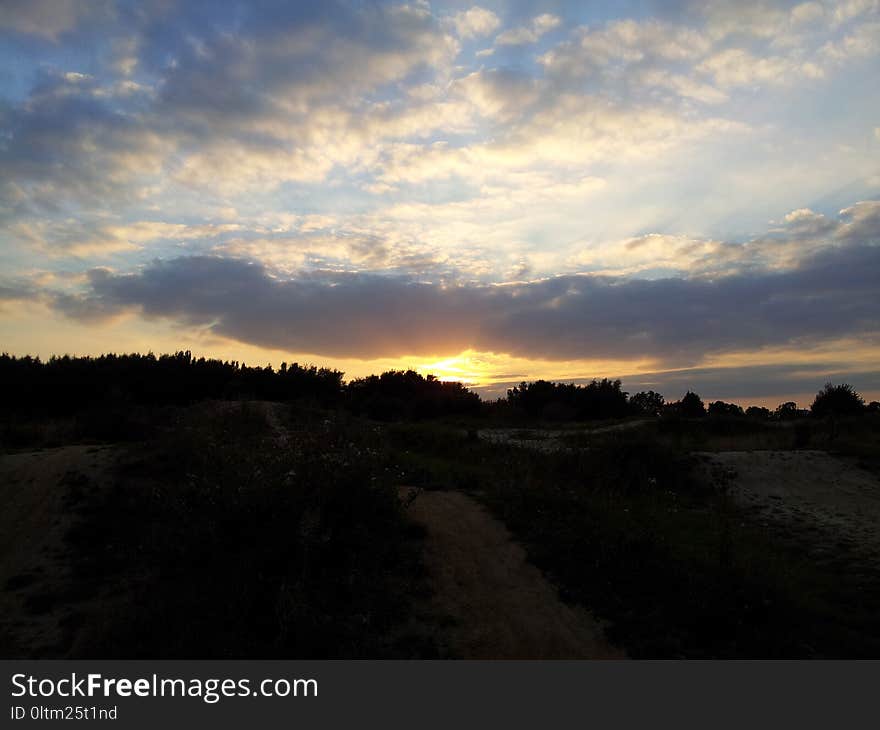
{"x":218,"y":542}
{"x":858,"y":438}
{"x":674,"y":566}
{"x":109,"y":422}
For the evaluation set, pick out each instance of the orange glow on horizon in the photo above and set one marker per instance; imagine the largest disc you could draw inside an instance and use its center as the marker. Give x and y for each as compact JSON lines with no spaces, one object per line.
{"x":40,"y":332}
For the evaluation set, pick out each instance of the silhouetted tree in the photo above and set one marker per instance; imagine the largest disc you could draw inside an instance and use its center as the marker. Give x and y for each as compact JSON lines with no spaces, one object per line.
{"x":837,"y":400}
{"x":758,"y":412}
{"x":596,"y":400}
{"x":67,"y":384}
{"x":786,"y":411}
{"x":403,"y":394}
{"x":691,"y":406}
{"x":647,"y":403}
{"x":720,"y":408}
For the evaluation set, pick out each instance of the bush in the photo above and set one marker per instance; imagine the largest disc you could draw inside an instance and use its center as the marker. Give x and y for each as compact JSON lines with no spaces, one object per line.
{"x":837,"y":400}
{"x":220,"y":543}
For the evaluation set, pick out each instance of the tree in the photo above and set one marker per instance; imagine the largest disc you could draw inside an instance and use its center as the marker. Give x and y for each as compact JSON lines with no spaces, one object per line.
{"x":837,"y":400}
{"x":560,"y":401}
{"x":758,"y":412}
{"x":647,"y":403}
{"x":720,"y":408}
{"x":786,"y":411}
{"x":691,"y":406}
{"x":405,"y":394}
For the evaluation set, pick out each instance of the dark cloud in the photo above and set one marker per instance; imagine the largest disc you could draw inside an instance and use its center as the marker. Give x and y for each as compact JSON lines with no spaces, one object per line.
{"x":68,"y":144}
{"x":830,"y":295}
{"x":299,"y":53}
{"x":14,"y":290}
{"x":49,"y":19}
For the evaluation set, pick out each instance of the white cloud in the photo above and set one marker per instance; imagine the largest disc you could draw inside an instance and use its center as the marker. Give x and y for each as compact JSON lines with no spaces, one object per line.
{"x":475,"y":22}
{"x":529,"y":33}
{"x":807,"y":13}
{"x":623,"y":42}
{"x":738,"y":67}
{"x":426,"y":159}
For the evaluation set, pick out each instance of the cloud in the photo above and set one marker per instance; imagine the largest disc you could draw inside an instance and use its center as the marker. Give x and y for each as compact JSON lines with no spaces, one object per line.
{"x":738,"y":67}
{"x":324,"y":56}
{"x":78,"y":237}
{"x":745,"y":45}
{"x":70,"y":145}
{"x":623,"y":42}
{"x":528,"y":33}
{"x":49,"y":19}
{"x":200,"y":103}
{"x":12,"y":290}
{"x":356,"y":138}
{"x":801,"y":233}
{"x":225,"y":112}
{"x":807,"y":13}
{"x":676,"y":321}
{"x":499,"y":95}
{"x":475,"y":22}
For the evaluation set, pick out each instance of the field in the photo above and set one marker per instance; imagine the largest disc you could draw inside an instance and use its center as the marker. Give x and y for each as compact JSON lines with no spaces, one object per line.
{"x":247,"y":528}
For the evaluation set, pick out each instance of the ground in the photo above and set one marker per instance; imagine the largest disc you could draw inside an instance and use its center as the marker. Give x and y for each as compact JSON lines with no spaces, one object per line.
{"x":500,"y":606}
{"x":486,"y":598}
{"x":807,"y":492}
{"x":36,"y":489}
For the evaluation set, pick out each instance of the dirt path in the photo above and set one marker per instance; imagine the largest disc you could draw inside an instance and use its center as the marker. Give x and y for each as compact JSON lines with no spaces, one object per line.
{"x":500,"y":606}
{"x":806,"y":490}
{"x":35,"y":517}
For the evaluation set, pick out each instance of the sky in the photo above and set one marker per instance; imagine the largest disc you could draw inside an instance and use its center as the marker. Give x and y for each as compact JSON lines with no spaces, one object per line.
{"x":685,"y":195}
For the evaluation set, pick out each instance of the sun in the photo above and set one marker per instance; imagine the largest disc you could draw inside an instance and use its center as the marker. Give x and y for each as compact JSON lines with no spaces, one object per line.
{"x":463,"y":368}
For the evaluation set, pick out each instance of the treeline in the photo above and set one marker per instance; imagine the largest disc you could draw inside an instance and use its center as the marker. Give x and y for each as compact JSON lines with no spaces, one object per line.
{"x":603,"y":399}
{"x":399,"y":394}
{"x":66,"y":385}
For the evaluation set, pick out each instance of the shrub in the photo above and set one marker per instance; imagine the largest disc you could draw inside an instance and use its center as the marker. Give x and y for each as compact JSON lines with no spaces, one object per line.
{"x":219,"y":542}
{"x":837,"y":400}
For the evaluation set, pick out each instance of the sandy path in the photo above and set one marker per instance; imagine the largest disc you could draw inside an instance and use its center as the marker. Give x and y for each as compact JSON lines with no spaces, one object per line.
{"x":806,"y":489}
{"x":501,"y":606}
{"x":33,"y":523}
